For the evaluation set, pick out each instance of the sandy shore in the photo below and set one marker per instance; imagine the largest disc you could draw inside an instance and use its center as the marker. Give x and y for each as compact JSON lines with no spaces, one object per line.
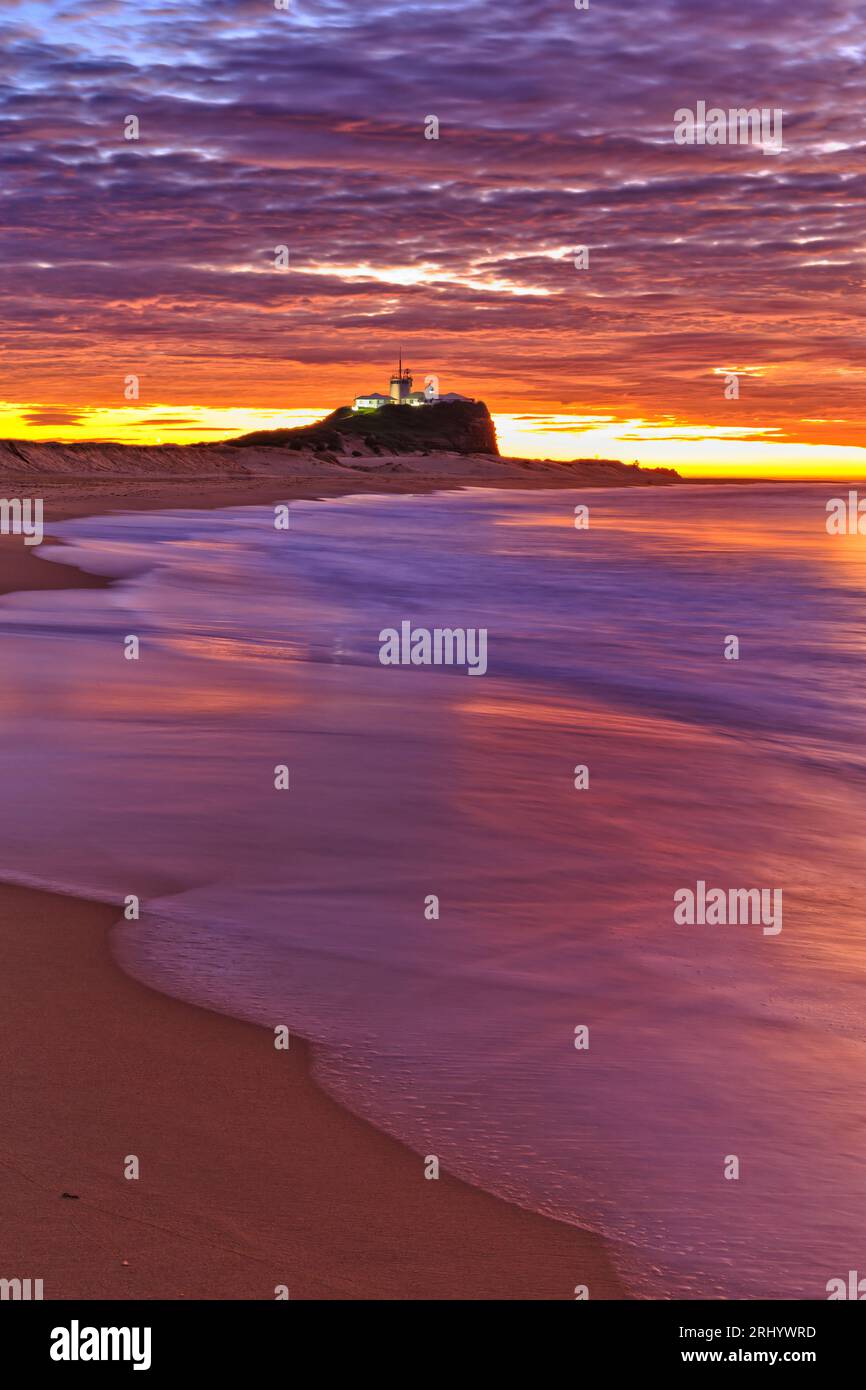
{"x":251,"y":1177}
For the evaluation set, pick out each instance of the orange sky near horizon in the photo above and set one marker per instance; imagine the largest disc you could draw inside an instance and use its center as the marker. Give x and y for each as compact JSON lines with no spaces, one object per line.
{"x":693,"y":449}
{"x":552,"y":250}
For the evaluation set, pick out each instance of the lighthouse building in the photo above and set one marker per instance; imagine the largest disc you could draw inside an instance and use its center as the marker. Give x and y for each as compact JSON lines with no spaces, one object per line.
{"x":401,"y":393}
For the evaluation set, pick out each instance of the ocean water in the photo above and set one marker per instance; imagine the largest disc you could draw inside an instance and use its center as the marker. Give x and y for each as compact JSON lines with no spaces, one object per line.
{"x":306,"y":907}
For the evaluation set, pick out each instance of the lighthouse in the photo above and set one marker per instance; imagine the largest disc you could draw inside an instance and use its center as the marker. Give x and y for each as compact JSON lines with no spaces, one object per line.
{"x":400,"y":393}
{"x":401,"y":383}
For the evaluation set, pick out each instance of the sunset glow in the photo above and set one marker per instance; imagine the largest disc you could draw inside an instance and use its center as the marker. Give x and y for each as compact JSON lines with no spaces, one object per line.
{"x":432,"y":592}
{"x":262,"y":128}
{"x":691,"y":449}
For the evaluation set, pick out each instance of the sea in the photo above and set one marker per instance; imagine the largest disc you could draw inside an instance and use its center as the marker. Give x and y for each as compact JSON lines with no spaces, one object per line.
{"x":478,"y":939}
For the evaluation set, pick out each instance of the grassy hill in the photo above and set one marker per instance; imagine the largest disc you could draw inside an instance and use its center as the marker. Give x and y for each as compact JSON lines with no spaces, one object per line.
{"x":446,"y":427}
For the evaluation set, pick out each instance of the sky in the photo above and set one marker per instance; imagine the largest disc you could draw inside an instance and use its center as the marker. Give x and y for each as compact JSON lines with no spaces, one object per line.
{"x":305,"y":128}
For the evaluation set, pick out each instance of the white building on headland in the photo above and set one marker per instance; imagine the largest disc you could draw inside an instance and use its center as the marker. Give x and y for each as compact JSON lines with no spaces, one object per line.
{"x":401,"y":392}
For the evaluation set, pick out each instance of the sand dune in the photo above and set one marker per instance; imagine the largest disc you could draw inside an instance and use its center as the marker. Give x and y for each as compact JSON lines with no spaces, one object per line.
{"x":115,"y":463}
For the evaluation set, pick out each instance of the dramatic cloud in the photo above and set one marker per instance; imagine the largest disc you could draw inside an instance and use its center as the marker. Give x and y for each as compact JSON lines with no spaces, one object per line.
{"x":261,"y":127}
{"x":43,"y":416}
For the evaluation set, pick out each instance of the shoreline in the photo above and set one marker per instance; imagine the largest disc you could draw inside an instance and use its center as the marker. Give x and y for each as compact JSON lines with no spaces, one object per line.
{"x":65,"y":498}
{"x":251,"y":1176}
{"x":68,"y":497}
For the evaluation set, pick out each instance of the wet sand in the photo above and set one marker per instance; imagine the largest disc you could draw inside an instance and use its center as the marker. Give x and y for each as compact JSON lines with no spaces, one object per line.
{"x":250,"y":1176}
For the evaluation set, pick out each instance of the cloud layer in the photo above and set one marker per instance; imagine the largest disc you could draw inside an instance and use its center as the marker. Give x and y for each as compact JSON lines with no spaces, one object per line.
{"x":305,"y":128}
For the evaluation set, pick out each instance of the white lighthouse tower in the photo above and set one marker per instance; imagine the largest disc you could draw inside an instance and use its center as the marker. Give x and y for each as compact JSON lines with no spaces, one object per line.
{"x":401,"y":383}
{"x":400,"y":393}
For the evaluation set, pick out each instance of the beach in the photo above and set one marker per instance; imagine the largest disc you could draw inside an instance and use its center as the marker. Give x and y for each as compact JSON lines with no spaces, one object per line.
{"x":251,"y":1178}
{"x":433,"y":633}
{"x":474,"y":945}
